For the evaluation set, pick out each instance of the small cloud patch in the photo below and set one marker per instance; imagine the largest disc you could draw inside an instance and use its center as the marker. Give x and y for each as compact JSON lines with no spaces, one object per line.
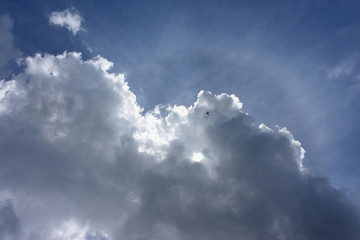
{"x":69,"y":18}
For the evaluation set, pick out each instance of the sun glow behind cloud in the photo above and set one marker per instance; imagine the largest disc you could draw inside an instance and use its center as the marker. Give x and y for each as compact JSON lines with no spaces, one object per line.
{"x":197,"y":157}
{"x":82,"y":160}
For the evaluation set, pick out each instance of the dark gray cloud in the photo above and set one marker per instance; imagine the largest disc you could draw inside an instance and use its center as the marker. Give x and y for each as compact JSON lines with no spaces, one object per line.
{"x":9,"y":222}
{"x":81,"y":161}
{"x":258,"y":193}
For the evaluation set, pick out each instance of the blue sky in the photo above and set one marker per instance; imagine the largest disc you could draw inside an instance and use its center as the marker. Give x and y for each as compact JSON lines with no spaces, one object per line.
{"x":292,"y":64}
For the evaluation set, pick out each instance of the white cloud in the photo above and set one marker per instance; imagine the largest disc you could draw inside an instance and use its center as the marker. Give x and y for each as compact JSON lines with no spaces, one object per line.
{"x":68,"y":18}
{"x":71,"y":229}
{"x":80,"y":160}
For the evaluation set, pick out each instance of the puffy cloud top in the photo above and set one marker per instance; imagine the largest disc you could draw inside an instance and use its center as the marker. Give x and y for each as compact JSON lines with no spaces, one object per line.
{"x":80,"y":160}
{"x":68,"y":18}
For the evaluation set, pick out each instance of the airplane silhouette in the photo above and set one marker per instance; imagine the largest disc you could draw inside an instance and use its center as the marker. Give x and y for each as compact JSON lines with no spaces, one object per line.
{"x":207,"y":113}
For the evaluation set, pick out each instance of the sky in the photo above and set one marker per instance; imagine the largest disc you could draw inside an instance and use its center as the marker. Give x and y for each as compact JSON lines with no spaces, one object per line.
{"x":104,"y":132}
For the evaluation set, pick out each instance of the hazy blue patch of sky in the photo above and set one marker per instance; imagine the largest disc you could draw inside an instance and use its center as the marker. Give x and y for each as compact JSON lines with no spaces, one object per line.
{"x":292,"y":63}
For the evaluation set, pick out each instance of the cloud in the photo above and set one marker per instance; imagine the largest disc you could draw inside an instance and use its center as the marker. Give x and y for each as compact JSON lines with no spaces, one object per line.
{"x":68,"y":18}
{"x":81,"y":160}
{"x":9,"y":222}
{"x":8,"y":52}
{"x":344,"y":68}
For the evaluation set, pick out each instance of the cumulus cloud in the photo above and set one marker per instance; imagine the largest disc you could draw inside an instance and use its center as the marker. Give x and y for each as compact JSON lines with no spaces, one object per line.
{"x":8,"y":52}
{"x":81,"y":160}
{"x":68,"y":18}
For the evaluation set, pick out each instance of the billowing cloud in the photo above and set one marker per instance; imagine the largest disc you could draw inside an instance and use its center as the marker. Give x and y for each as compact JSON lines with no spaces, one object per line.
{"x":80,"y":160}
{"x":68,"y":18}
{"x":8,"y":52}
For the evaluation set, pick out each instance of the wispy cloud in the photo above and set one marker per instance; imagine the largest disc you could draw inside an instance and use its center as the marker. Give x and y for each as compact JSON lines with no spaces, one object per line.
{"x":69,"y":18}
{"x":344,"y":68}
{"x":8,"y":52}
